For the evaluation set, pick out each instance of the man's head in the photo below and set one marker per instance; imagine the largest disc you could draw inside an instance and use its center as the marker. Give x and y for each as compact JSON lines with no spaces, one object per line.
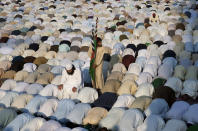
{"x":99,"y":42}
{"x":69,"y":68}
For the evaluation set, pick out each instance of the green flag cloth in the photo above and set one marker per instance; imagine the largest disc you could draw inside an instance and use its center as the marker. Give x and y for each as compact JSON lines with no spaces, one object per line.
{"x":93,"y":57}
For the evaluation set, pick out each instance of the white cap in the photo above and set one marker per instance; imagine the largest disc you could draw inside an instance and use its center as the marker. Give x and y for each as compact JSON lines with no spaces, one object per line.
{"x":68,"y":66}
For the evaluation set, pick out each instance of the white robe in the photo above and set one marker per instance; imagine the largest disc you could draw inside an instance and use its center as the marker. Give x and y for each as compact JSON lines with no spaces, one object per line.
{"x":87,"y":95}
{"x":64,"y":107}
{"x":177,"y":110}
{"x":50,"y":125}
{"x":51,"y":90}
{"x":131,"y":119}
{"x":34,"y":89}
{"x":158,"y":107}
{"x":144,"y":77}
{"x":124,"y":100}
{"x":154,"y":60}
{"x":190,"y":88}
{"x":49,"y":107}
{"x":78,"y":113}
{"x":175,"y":125}
{"x":152,"y":123}
{"x":63,"y":129}
{"x":174,"y":83}
{"x":2,"y":93}
{"x":134,"y":68}
{"x":19,"y":122}
{"x":190,"y":116}
{"x":29,"y":67}
{"x":145,"y":89}
{"x":150,"y":68}
{"x":34,"y":105}
{"x":112,"y":118}
{"x":8,"y":99}
{"x":165,"y":71}
{"x":8,"y":84}
{"x":20,"y":87}
{"x":70,"y":81}
{"x":33,"y":125}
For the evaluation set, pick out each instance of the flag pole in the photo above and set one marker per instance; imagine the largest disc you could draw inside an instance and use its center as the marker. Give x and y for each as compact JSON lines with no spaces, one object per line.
{"x":94,"y":51}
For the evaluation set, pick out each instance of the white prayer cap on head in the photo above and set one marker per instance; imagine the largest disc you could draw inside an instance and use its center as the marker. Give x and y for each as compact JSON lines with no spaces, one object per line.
{"x":68,"y":66}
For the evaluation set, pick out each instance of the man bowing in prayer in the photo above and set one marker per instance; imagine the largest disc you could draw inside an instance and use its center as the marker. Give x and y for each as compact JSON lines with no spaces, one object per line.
{"x":71,"y":81}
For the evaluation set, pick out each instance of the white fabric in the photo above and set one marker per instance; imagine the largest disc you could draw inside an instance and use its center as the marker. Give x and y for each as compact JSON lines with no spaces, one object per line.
{"x":87,"y":95}
{"x":155,"y":60}
{"x":189,"y":116}
{"x":119,"y":67}
{"x":175,"y":125}
{"x":21,"y":87}
{"x":174,"y":83}
{"x":50,"y":90}
{"x":145,"y":89}
{"x":57,"y":70}
{"x":2,"y":93}
{"x":190,"y":88}
{"x":68,"y":66}
{"x":65,"y":106}
{"x":19,"y":122}
{"x":64,"y":61}
{"x":177,"y":110}
{"x":165,"y":71}
{"x":180,"y":72}
{"x":170,"y":60}
{"x":6,"y":50}
{"x":49,"y":107}
{"x":50,"y":125}
{"x":78,"y":113}
{"x":184,"y":55}
{"x":141,"y":61}
{"x":8,"y":84}
{"x":130,"y":120}
{"x":8,"y":99}
{"x":124,"y":101}
{"x":35,"y":103}
{"x":158,"y":107}
{"x":56,"y":80}
{"x":152,"y":123}
{"x":29,"y":67}
{"x":70,"y":81}
{"x":53,"y":62}
{"x":128,"y":51}
{"x":192,"y":73}
{"x":34,"y":89}
{"x":34,"y":125}
{"x":134,"y":68}
{"x":112,"y":118}
{"x":150,"y":68}
{"x":63,"y":129}
{"x":144,"y":77}
{"x":79,"y":129}
{"x":185,"y":62}
{"x":143,"y":53}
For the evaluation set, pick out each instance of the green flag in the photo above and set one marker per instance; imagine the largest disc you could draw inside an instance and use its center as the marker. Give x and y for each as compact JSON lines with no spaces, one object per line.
{"x":93,"y":57}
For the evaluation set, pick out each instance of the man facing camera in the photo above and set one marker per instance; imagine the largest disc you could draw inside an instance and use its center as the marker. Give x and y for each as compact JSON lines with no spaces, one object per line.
{"x":71,"y":81}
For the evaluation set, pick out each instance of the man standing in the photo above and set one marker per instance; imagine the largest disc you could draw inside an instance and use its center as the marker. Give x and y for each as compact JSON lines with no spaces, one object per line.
{"x":71,"y":81}
{"x":98,"y":81}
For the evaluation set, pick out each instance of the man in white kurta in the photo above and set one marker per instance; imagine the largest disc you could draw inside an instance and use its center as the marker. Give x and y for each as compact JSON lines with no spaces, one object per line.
{"x":71,"y":81}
